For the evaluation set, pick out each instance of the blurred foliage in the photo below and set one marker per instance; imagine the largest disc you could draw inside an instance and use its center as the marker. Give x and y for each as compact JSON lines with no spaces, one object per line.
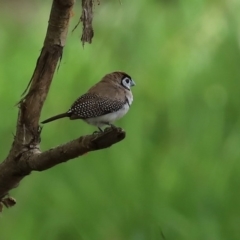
{"x":178,"y":170}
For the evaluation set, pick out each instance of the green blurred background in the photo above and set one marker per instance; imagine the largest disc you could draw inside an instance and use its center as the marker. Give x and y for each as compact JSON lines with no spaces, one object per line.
{"x":178,"y":170}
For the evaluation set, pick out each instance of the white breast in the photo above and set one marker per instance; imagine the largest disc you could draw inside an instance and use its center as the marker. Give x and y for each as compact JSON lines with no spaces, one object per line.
{"x":129,"y":97}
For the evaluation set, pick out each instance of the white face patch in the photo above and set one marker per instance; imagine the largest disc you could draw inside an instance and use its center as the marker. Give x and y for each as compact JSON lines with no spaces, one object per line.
{"x":128,"y":83}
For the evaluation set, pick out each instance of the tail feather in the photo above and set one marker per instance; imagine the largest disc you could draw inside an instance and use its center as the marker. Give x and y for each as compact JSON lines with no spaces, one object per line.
{"x":62,"y":115}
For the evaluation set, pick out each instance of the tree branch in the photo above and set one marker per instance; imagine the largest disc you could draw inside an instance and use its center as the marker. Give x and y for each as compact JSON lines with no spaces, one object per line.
{"x":25,"y":155}
{"x":75,"y":148}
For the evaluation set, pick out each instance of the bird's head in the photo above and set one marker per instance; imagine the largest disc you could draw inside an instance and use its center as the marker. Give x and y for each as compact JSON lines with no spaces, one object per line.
{"x":120,"y":78}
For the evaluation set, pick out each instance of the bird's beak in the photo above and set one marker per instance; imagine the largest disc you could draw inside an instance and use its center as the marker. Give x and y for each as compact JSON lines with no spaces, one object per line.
{"x":133,"y":83}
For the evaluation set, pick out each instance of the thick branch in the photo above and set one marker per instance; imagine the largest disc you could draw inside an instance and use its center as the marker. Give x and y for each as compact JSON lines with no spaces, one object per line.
{"x":27,"y":139}
{"x":51,"y":53}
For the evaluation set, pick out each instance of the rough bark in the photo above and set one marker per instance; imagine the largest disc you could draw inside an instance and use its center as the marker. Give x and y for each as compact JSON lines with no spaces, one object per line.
{"x":25,"y":155}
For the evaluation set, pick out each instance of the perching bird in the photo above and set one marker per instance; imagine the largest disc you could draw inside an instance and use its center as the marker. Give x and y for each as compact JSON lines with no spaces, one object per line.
{"x":104,"y":103}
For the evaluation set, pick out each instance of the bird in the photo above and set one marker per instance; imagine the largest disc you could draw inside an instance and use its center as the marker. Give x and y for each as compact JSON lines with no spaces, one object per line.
{"x":104,"y":103}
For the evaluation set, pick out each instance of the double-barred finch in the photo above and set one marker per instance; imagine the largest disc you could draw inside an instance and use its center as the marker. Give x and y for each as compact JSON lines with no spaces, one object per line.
{"x":104,"y":103}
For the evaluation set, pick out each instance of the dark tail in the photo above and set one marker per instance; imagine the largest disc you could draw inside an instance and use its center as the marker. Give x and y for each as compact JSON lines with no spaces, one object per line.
{"x":56,"y":117}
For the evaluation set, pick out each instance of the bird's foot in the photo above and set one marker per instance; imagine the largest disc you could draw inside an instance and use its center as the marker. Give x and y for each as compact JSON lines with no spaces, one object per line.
{"x":97,"y":132}
{"x":106,"y":129}
{"x":111,"y":125}
{"x":110,"y":128}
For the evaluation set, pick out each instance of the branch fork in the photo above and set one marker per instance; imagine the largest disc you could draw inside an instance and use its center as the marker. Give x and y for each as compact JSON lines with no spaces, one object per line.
{"x":25,"y":155}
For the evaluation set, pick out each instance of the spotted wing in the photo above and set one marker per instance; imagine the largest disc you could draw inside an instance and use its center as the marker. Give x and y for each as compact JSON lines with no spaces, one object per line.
{"x":92,"y":105}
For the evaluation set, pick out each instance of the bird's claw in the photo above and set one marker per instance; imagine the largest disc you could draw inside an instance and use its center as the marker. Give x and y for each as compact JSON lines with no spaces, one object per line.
{"x":112,"y":126}
{"x":106,"y":129}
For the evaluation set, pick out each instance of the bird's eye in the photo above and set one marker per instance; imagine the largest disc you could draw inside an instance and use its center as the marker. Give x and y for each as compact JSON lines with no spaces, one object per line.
{"x":126,"y":82}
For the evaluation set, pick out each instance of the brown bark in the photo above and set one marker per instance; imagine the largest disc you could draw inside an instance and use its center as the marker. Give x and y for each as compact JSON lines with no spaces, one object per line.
{"x":25,"y":155}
